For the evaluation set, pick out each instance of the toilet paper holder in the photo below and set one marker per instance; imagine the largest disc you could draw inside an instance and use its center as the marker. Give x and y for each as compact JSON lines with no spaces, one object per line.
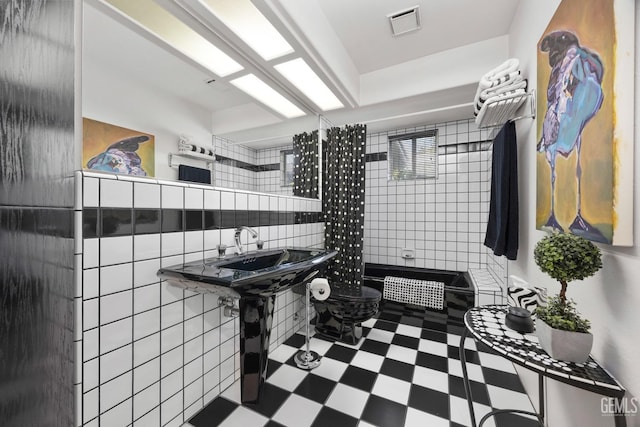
{"x":320,"y":289}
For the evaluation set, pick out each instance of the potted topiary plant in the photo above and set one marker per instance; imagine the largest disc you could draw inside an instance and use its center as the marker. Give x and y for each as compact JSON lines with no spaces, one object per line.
{"x":561,"y":331}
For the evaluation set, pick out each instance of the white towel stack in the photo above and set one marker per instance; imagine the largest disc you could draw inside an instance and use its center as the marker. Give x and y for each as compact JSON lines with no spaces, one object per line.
{"x":185,"y":146}
{"x":501,"y":82}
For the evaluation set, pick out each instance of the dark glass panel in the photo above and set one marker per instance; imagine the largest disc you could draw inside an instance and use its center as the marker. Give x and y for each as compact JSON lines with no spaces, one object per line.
{"x":193,"y":220}
{"x":228,"y":219}
{"x":212,"y":220}
{"x":90,"y":227}
{"x":254,"y":219}
{"x":116,"y":222}
{"x":172,"y":220}
{"x":264,"y":218}
{"x":147,"y":221}
{"x":242,"y":218}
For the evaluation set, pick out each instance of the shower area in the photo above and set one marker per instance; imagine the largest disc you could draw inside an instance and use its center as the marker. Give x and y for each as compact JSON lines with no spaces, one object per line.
{"x":417,"y":230}
{"x":433,"y":228}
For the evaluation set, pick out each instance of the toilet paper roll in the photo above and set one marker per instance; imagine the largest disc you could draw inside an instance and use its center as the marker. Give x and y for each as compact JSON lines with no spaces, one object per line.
{"x":320,"y":289}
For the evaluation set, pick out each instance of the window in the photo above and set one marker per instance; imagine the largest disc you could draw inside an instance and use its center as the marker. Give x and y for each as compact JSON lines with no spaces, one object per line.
{"x":286,"y":167}
{"x":413,"y":156}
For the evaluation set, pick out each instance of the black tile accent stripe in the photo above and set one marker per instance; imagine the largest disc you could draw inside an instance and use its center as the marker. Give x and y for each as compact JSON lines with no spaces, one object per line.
{"x":147,"y":221}
{"x":265,"y":218}
{"x":212,"y":220}
{"x":90,"y":223}
{"x":463,"y":147}
{"x":50,"y":222}
{"x":267,"y":168}
{"x":375,"y":157}
{"x":116,"y":222}
{"x":248,"y":166}
{"x":253,"y":218}
{"x":193,"y":220}
{"x":112,"y":222}
{"x":242,"y":217}
{"x":227,"y":219}
{"x":172,"y":220}
{"x":274,"y":218}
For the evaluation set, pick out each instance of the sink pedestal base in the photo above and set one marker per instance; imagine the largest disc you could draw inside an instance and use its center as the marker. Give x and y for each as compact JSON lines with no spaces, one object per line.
{"x":256,"y":316}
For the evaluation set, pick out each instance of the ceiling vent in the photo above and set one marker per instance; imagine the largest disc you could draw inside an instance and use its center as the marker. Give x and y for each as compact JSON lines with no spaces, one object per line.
{"x":405,"y":21}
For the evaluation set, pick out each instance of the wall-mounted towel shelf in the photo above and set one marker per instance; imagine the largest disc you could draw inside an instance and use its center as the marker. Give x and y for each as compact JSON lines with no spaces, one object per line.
{"x":498,"y":111}
{"x":209,"y":160}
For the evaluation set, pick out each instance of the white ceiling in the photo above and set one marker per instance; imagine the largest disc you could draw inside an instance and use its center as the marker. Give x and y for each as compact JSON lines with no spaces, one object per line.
{"x":111,"y":44}
{"x":427,"y":76}
{"x":364,"y":29}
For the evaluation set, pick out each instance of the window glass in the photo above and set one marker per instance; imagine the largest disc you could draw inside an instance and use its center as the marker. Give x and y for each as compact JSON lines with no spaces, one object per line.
{"x":413,"y":156}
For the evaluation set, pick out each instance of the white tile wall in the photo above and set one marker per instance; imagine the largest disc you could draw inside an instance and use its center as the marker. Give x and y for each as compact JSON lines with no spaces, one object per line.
{"x":233,"y":177}
{"x":193,"y":198}
{"x":271,"y":181}
{"x":146,"y":195}
{"x":487,"y":289}
{"x":242,"y":179}
{"x":443,"y":220}
{"x":116,"y":193}
{"x":150,"y":354}
{"x":172,"y":197}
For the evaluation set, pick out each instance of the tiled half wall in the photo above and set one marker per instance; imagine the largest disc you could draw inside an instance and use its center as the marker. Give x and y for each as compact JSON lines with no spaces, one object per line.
{"x":147,"y":353}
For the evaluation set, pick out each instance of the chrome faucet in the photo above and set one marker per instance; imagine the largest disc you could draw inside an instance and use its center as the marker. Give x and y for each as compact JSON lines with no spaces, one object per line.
{"x":253,"y":233}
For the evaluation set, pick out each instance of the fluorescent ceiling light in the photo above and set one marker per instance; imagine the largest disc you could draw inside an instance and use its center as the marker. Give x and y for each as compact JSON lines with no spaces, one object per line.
{"x":176,"y":33}
{"x":244,"y":19}
{"x":303,"y":77}
{"x":258,"y":89}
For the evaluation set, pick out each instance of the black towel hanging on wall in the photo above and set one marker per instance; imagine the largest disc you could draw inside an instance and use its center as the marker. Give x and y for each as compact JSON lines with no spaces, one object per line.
{"x":192,"y":174}
{"x":502,"y":227}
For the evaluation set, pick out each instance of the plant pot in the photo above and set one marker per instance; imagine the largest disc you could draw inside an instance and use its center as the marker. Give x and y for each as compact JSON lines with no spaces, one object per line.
{"x":564,"y":345}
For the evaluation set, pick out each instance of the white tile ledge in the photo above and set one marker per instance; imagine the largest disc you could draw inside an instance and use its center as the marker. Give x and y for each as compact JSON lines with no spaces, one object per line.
{"x":484,"y":280}
{"x":121,"y":177}
{"x":487,"y":289}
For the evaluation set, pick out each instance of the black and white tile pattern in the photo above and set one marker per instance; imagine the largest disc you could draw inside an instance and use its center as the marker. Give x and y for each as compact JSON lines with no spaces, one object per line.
{"x":150,"y":354}
{"x":398,"y":375}
{"x":487,"y":324}
{"x":244,"y":168}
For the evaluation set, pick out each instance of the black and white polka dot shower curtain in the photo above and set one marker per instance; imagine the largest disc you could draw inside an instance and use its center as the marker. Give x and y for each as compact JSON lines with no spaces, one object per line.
{"x":343,"y":206}
{"x":305,"y":165}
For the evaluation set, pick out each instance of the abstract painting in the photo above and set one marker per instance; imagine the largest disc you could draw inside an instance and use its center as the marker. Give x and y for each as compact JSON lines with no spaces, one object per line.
{"x":110,"y":148}
{"x":585,"y":121}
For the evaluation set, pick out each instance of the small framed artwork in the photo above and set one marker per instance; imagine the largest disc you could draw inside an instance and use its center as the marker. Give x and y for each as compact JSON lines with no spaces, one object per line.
{"x":110,"y":148}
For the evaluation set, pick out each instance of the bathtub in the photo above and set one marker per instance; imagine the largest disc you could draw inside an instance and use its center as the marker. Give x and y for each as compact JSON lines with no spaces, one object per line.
{"x":459,"y":295}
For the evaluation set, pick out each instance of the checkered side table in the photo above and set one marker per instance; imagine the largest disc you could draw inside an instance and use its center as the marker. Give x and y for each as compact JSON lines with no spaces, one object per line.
{"x":486,"y":324}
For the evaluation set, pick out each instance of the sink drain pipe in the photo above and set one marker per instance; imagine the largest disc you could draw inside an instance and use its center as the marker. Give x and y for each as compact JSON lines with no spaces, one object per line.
{"x":230,"y":309}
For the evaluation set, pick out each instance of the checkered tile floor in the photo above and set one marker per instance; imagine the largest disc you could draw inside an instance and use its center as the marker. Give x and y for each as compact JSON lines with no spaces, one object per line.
{"x":399,"y":375}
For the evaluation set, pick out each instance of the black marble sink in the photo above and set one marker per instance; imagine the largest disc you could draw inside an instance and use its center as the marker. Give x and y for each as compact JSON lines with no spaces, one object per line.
{"x":257,"y":273}
{"x":255,"y":278}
